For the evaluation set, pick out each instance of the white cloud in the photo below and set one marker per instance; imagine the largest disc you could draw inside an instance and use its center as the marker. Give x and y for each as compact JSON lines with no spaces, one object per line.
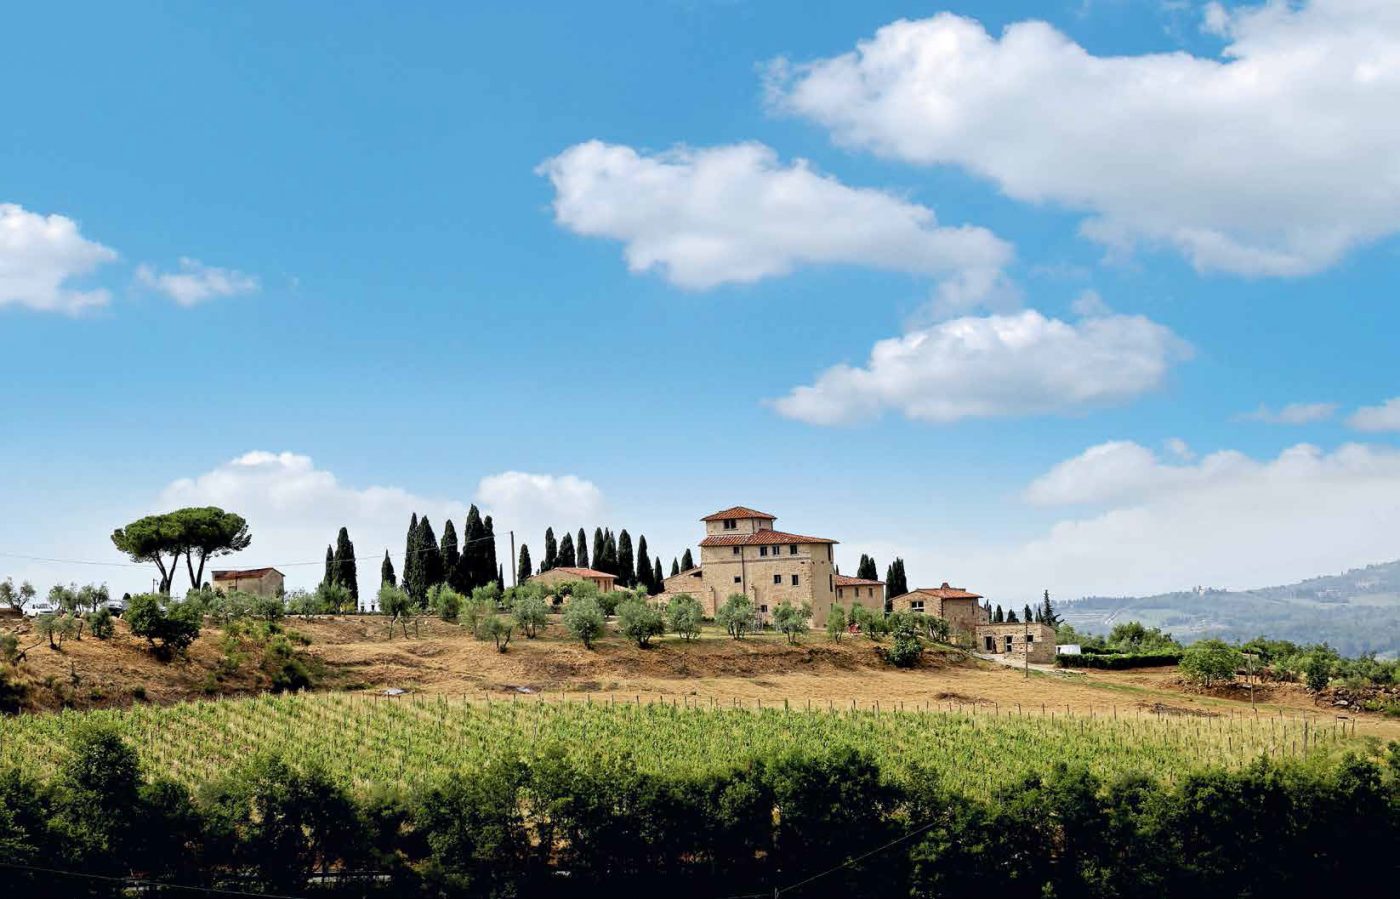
{"x":196,"y":282}
{"x":1228,"y":520}
{"x":294,"y":509}
{"x":1385,"y":417}
{"x":40,"y":254}
{"x":528,"y":503}
{"x":1292,"y":414}
{"x":736,"y":214}
{"x":1090,"y":304}
{"x":1273,"y":159}
{"x":998,"y":365}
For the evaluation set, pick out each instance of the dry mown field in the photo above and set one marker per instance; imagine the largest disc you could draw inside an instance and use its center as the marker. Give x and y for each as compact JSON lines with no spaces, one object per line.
{"x":356,"y":654}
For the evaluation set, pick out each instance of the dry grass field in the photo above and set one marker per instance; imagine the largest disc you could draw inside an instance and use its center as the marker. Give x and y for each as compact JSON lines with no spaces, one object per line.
{"x":356,"y":654}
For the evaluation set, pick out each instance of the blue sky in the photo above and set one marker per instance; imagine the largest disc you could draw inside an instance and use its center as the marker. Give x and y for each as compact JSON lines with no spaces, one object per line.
{"x":388,"y":284}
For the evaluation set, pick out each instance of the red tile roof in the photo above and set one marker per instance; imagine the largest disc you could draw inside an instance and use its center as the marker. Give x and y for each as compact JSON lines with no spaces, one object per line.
{"x":246,"y":572}
{"x":739,"y":512}
{"x":582,"y":572}
{"x":760,"y":538}
{"x":844,"y":581}
{"x":946,"y":592}
{"x":693,"y":572}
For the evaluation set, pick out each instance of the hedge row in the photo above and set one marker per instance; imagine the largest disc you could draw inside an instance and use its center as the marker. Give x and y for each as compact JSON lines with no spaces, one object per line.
{"x":1118,"y":661}
{"x":836,"y":824}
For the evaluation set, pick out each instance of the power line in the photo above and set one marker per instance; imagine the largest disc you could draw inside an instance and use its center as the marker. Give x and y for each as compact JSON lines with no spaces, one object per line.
{"x":851,"y":861}
{"x":137,"y":881}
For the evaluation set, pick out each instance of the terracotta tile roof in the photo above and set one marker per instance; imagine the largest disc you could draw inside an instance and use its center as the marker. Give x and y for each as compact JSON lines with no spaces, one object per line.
{"x":844,"y":581}
{"x":693,"y":572}
{"x":582,"y":572}
{"x":760,"y":538}
{"x":946,"y":592}
{"x":246,"y":572}
{"x":739,"y":512}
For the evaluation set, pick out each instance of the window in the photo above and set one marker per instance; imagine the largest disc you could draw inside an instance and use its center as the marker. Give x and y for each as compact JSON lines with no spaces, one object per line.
{"x":830,"y":583}
{"x":840,"y":592}
{"x":1008,"y":642}
{"x":777,"y":578}
{"x":737,"y":550}
{"x":763,"y":609}
{"x":763,"y":550}
{"x":730,"y":524}
{"x":916,"y":605}
{"x":792,"y":549}
{"x":1030,"y":638}
{"x":737,"y":579}
{"x":794,"y":580}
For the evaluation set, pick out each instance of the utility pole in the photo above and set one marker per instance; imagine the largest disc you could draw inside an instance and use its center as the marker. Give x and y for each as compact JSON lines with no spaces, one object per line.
{"x":514,"y":563}
{"x":1026,"y":648}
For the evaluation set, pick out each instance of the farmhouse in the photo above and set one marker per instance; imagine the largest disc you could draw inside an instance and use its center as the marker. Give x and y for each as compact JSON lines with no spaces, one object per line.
{"x":859,"y":591}
{"x":1019,"y":640}
{"x":257,"y":581}
{"x":605,"y":582}
{"x":960,"y":608}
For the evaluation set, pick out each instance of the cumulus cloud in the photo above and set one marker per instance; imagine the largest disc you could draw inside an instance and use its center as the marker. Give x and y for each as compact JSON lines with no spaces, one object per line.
{"x":196,"y":282}
{"x":1292,"y":414}
{"x":736,"y":214}
{"x":1228,"y":520}
{"x":1385,"y":417}
{"x":40,"y":255}
{"x":294,"y":509}
{"x":992,"y":366}
{"x":1267,"y":160}
{"x":528,"y":503}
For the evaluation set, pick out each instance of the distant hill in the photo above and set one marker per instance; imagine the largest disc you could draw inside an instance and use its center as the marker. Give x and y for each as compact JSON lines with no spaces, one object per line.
{"x":1356,"y":612}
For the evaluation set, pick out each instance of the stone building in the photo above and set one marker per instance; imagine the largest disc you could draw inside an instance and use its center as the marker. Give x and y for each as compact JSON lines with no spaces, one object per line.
{"x":257,"y":581}
{"x":743,"y":553}
{"x":1016,"y":639}
{"x":857,"y":591}
{"x":605,"y":582}
{"x":960,"y":608}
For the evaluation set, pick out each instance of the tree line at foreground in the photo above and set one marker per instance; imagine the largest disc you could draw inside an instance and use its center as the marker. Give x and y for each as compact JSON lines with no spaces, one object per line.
{"x":574,"y":824}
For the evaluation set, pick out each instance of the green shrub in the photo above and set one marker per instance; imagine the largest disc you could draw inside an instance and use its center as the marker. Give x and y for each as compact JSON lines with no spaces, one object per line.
{"x":736,"y":615}
{"x":584,"y":620}
{"x":100,"y":623}
{"x":1207,"y":662}
{"x":498,"y":629}
{"x":790,"y":620}
{"x":1118,"y":661}
{"x":531,"y":613}
{"x":684,"y":615}
{"x":445,"y":602}
{"x":907,"y":647}
{"x":638,"y":621}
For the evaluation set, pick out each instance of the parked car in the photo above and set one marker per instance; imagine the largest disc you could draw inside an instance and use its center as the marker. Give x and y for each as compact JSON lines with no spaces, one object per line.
{"x":39,"y":606}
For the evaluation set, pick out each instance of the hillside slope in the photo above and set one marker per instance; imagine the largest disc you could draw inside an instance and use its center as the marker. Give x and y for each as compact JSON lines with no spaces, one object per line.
{"x":1357,"y":611}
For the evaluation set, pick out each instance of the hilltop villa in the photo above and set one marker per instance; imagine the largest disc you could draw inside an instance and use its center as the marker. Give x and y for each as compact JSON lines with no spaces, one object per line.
{"x":257,"y":581}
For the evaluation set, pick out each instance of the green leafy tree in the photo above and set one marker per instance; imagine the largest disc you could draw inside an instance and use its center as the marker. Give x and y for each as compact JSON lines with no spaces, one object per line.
{"x":524,"y":569}
{"x":566,"y":552}
{"x":623,"y":567}
{"x":684,"y":615}
{"x":836,"y":623}
{"x":445,"y":602}
{"x":1317,"y":671}
{"x":638,"y":621}
{"x":531,"y":614}
{"x":498,"y":629}
{"x":331,"y":599}
{"x":907,"y":647}
{"x":16,"y":598}
{"x":170,"y":627}
{"x":100,"y":623}
{"x":152,"y":539}
{"x":207,"y":532}
{"x":397,"y":606}
{"x":1209,"y":662}
{"x":386,"y":572}
{"x":583,"y":619}
{"x":736,"y":615}
{"x":581,"y":548}
{"x":790,"y":620}
{"x":551,"y":551}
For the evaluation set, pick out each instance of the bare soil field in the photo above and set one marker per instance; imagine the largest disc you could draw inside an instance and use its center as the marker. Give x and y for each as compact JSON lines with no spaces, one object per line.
{"x":355,"y":653}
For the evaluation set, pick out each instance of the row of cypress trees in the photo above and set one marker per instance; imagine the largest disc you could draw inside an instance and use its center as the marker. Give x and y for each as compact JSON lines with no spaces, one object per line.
{"x":463,"y":565}
{"x":896,"y":582}
{"x":340,"y":565}
{"x":612,"y":553}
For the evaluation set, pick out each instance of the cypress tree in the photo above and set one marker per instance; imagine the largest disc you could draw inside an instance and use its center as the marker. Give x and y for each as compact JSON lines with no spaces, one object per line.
{"x":598,"y":548}
{"x":867,"y":568}
{"x":581,"y":548}
{"x":998,"y":617}
{"x":490,"y":568}
{"x":523,"y":571}
{"x":675,"y":567}
{"x":896,"y":584}
{"x":1028,"y":618}
{"x":430,"y":572}
{"x":657,"y":580}
{"x":1011,"y":617}
{"x":644,"y":565}
{"x":626,"y":576}
{"x":347,"y":573}
{"x":687,"y":560}
{"x":328,"y":578}
{"x":551,"y":551}
{"x":451,"y":554}
{"x":609,"y":553}
{"x":412,"y":560}
{"x":386,"y":572}
{"x":566,"y":552}
{"x":1048,"y":615}
{"x":472,"y":561}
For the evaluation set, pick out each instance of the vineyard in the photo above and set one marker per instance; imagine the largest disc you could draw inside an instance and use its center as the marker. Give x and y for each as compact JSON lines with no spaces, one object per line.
{"x":365,"y":740}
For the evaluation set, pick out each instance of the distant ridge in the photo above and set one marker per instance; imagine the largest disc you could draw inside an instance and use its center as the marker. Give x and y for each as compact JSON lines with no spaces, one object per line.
{"x":1357,"y":611}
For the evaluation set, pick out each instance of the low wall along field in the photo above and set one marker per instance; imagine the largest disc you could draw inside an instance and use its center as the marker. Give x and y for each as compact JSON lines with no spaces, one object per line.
{"x":365,"y":740}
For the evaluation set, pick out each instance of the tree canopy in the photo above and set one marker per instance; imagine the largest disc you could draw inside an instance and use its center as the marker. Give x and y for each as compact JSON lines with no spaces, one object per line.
{"x":198,"y":533}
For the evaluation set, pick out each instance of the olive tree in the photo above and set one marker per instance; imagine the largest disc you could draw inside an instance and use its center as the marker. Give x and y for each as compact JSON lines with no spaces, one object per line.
{"x":396,"y":605}
{"x":836,"y":623}
{"x":498,"y":628}
{"x":639,"y":621}
{"x":1208,"y":661}
{"x":584,"y":620}
{"x":736,"y":615}
{"x":16,"y":597}
{"x":791,"y":620}
{"x":530,"y":613}
{"x":684,"y":614}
